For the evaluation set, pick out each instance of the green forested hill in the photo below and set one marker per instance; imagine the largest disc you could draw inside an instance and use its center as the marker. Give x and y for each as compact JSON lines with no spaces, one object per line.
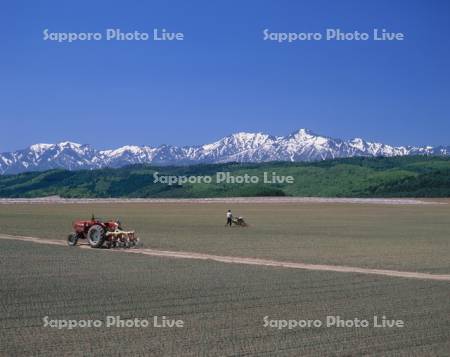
{"x":417,"y":176}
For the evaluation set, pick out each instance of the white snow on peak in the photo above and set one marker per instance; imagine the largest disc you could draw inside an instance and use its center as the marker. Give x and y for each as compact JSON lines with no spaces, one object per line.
{"x":248,"y":136}
{"x":357,"y":143}
{"x":40,"y":147}
{"x":69,"y":143}
{"x":304,"y":133}
{"x":133,"y":149}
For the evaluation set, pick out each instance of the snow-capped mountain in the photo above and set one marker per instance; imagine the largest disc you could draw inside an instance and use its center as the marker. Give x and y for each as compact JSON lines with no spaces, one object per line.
{"x":302,"y":145}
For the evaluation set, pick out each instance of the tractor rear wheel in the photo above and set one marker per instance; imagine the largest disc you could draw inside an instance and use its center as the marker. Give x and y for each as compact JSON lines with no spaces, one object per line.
{"x":72,"y":239}
{"x":96,"y":236}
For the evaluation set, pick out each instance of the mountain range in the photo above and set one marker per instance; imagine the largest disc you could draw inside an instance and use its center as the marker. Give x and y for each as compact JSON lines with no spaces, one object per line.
{"x":301,"y":145}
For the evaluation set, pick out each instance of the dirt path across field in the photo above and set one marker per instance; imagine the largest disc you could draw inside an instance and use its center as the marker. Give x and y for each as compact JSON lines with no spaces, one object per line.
{"x":243,"y":260}
{"x":377,"y":201}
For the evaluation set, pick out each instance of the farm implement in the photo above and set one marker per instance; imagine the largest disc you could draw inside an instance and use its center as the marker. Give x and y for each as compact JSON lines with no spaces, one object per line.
{"x":98,"y":234}
{"x":239,"y":221}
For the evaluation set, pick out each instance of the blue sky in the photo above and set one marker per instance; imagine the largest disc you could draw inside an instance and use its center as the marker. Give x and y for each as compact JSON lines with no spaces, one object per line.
{"x":223,"y":77}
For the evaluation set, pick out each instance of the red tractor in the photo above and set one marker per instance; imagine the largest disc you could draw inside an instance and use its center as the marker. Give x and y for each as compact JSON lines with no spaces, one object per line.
{"x":98,"y":233}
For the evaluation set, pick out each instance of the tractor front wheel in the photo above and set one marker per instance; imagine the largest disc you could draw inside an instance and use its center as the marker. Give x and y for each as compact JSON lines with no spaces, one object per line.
{"x":72,"y":239}
{"x":96,"y":236}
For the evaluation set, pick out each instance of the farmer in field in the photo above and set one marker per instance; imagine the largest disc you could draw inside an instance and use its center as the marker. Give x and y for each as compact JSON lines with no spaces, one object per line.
{"x":229,"y":218}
